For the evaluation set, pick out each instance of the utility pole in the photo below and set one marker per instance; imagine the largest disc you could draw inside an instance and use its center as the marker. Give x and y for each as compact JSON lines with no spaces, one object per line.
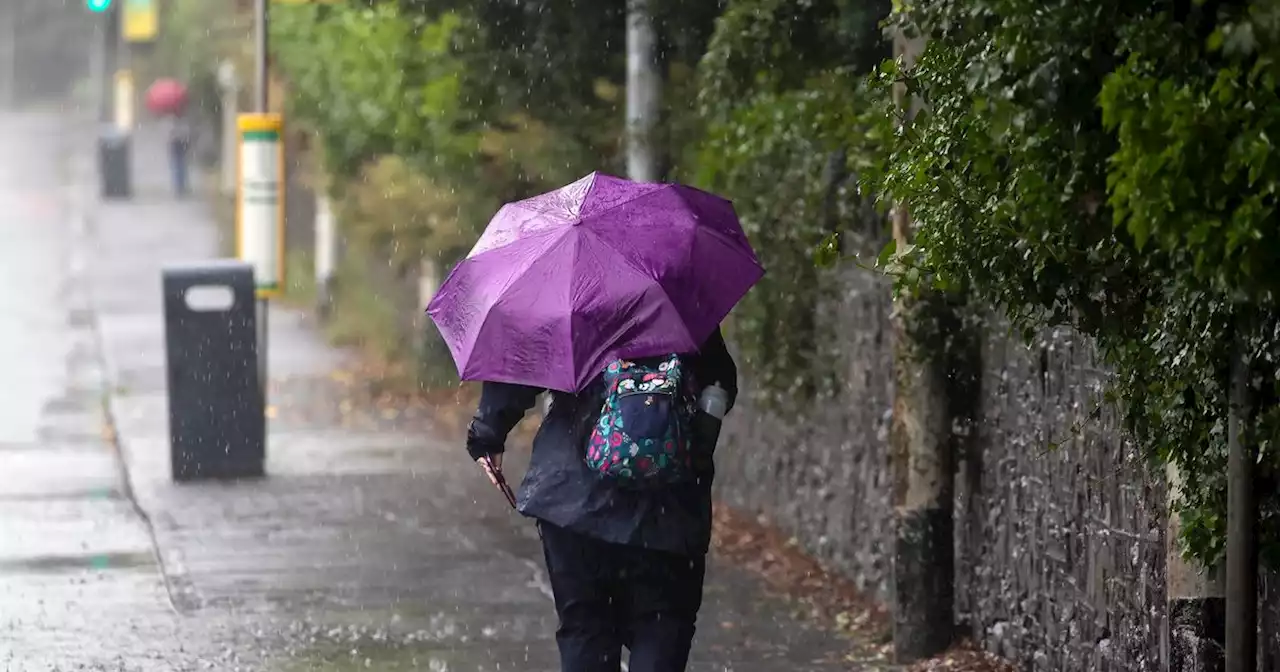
{"x":260,"y":180}
{"x":644,"y":92}
{"x":261,"y":84}
{"x":1242,"y":518}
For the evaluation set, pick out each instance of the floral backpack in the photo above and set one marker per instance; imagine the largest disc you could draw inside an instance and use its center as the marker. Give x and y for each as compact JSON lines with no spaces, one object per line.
{"x":642,"y":437}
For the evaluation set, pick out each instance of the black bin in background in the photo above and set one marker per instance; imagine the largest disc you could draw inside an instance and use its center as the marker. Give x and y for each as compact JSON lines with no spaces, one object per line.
{"x":217,"y":424}
{"x":115,"y":168}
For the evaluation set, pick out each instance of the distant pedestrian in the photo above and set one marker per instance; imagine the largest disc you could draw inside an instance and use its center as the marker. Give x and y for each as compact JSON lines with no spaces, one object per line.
{"x":626,"y":564}
{"x":180,"y":136}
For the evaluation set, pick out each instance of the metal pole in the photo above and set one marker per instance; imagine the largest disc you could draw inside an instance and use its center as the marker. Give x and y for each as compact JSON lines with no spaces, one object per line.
{"x":260,"y":58}
{"x":644,"y":92}
{"x":1242,"y":521}
{"x":8,"y":54}
{"x":110,"y":61}
{"x":98,"y":68}
{"x":260,"y":105}
{"x":229,"y":87}
{"x":127,"y":113}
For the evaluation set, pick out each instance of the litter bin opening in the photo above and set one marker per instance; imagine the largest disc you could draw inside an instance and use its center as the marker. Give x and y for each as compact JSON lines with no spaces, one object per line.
{"x":210,"y":298}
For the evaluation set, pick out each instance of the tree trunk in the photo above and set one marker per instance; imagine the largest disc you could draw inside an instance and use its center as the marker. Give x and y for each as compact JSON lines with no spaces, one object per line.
{"x":921,"y":454}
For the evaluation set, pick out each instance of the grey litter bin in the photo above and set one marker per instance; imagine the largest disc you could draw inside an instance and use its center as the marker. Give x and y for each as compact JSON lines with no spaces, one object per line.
{"x":217,"y":424}
{"x":115,"y":168}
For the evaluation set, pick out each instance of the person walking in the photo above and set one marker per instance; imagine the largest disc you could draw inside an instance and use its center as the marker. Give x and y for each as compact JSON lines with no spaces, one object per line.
{"x":608,"y":294}
{"x":179,"y":134}
{"x":626,"y":565}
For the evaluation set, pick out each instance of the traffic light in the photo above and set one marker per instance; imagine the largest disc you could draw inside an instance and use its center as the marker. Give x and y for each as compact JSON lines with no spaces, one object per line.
{"x":98,"y":5}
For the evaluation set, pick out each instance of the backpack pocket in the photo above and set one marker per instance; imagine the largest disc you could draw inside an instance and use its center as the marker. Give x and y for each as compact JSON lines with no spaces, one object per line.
{"x":646,"y":415}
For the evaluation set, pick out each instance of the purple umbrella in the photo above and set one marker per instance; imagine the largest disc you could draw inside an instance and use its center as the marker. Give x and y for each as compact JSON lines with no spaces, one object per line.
{"x":562,"y":283}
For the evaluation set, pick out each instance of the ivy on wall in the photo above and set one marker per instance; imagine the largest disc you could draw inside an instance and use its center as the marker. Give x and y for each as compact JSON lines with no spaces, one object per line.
{"x":1108,"y":165}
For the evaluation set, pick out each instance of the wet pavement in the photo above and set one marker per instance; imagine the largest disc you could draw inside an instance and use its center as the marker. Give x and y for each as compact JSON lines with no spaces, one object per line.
{"x":79,"y":587}
{"x":367,"y":546}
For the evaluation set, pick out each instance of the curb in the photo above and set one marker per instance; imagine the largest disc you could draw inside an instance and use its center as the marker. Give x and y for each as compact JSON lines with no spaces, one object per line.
{"x":80,"y":205}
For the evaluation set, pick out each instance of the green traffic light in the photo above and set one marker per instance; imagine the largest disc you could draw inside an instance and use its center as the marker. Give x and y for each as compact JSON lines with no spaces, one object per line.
{"x":98,"y":5}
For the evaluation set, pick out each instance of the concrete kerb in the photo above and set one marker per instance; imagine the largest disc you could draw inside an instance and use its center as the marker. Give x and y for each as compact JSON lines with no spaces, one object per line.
{"x":80,"y":220}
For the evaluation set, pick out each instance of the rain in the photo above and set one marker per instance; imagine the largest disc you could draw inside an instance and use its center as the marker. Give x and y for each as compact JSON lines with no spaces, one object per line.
{"x":638,"y":335}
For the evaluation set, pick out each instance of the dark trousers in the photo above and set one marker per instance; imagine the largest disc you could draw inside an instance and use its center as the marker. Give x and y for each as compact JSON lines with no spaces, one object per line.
{"x":178,"y":166}
{"x":609,"y":596}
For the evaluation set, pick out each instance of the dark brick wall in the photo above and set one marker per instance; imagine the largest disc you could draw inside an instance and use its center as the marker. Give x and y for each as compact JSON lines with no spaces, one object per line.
{"x":1059,"y":525}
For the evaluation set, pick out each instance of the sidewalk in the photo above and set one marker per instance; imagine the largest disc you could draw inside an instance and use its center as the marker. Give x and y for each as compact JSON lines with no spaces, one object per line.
{"x":369,"y":545}
{"x":79,"y":587}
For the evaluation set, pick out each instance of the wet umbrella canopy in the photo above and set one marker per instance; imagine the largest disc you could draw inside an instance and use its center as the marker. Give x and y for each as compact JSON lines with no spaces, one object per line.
{"x":166,"y":96}
{"x":561,"y":283}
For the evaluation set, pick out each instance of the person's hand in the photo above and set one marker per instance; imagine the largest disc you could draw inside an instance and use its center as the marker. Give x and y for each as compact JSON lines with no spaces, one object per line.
{"x":491,"y":464}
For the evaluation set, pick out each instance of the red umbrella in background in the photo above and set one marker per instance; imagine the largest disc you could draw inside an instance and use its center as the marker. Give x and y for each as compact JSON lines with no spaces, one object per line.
{"x":167,"y":96}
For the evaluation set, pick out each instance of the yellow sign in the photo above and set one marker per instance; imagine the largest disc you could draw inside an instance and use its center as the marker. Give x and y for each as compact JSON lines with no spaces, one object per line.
{"x":260,"y":202}
{"x":141,"y":20}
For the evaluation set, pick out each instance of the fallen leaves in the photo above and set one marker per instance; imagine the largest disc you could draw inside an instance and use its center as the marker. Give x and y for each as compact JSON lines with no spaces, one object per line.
{"x":830,"y":599}
{"x":822,"y":595}
{"x":964,"y":657}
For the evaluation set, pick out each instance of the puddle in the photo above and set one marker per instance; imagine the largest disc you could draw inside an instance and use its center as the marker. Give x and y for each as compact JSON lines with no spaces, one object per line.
{"x":73,"y":563}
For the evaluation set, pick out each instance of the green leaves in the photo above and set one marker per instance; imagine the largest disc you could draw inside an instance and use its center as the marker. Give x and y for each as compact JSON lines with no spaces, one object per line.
{"x":785,"y":148}
{"x":886,"y":254}
{"x":1102,"y":165}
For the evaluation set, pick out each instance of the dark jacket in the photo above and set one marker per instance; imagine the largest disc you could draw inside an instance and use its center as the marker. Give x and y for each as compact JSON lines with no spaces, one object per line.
{"x":560,"y":489}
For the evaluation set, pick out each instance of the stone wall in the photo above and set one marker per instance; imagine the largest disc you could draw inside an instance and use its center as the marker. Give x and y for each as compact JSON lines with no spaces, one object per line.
{"x":1060,"y":544}
{"x":825,"y":480}
{"x":1059,"y":525}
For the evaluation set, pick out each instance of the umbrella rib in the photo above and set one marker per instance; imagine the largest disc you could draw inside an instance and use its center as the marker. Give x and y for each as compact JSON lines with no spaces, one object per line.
{"x":523,"y":204}
{"x":627,"y":260}
{"x":573,"y":355}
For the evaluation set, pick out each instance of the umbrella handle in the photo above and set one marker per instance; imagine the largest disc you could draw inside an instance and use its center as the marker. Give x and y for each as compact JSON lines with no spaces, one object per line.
{"x":502,"y":481}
